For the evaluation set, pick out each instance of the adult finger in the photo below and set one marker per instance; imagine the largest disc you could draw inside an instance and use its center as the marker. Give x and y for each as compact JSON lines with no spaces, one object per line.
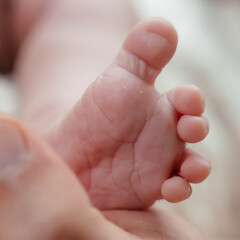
{"x":40,"y":198}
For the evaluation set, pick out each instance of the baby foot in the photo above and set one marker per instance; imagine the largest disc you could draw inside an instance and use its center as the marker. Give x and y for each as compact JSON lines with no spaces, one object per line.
{"x":124,"y":140}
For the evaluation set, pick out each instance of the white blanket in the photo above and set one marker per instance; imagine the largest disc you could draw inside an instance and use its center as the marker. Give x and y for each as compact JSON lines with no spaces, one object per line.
{"x":208,"y":56}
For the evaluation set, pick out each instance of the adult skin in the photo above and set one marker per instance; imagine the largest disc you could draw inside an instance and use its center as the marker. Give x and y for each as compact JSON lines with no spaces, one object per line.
{"x":40,"y":198}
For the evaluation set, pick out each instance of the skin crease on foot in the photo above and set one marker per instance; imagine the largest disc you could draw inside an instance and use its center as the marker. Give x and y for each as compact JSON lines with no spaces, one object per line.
{"x":123,"y":139}
{"x":34,"y":175}
{"x":129,"y":138}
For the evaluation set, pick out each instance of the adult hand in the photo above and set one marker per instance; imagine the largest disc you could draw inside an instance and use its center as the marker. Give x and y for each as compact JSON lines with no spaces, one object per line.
{"x":40,"y":198}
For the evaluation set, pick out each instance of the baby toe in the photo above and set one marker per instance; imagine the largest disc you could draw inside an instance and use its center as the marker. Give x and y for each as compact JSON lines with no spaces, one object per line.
{"x":176,"y":189}
{"x":192,"y":129}
{"x":187,"y":99}
{"x":195,"y":167}
{"x":148,"y":48}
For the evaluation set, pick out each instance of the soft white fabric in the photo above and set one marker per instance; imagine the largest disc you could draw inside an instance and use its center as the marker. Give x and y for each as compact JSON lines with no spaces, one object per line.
{"x":208,"y":56}
{"x":7,"y":96}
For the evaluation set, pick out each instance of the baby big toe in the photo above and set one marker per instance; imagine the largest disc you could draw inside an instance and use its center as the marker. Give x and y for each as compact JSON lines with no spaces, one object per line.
{"x":147,"y":49}
{"x":192,"y":129}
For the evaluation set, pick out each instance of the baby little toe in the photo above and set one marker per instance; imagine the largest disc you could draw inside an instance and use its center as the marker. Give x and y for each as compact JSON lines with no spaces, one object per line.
{"x":176,"y":189}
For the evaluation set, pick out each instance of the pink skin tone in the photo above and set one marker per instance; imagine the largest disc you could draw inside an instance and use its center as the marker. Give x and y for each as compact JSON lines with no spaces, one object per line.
{"x":41,"y":171}
{"x":123,"y":139}
{"x":34,"y":175}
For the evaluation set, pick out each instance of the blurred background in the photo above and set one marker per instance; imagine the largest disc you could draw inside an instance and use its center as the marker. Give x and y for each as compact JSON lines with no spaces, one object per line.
{"x":208,"y":56}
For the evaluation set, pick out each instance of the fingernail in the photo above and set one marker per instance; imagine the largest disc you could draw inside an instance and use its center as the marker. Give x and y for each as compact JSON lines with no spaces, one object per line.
{"x":12,"y":146}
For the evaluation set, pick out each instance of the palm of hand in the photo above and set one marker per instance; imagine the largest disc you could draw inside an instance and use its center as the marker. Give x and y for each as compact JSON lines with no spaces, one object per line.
{"x":153,"y":224}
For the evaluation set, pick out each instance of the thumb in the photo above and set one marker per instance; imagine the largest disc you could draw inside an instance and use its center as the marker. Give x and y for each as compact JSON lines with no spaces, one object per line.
{"x":40,"y":198}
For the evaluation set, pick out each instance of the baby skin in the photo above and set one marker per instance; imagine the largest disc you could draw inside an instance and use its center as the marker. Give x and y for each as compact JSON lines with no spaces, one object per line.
{"x":124,"y":140}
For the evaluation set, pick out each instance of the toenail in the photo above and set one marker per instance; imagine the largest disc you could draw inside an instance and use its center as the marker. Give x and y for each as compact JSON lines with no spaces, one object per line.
{"x":189,"y":191}
{"x":12,"y":146}
{"x":205,"y":124}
